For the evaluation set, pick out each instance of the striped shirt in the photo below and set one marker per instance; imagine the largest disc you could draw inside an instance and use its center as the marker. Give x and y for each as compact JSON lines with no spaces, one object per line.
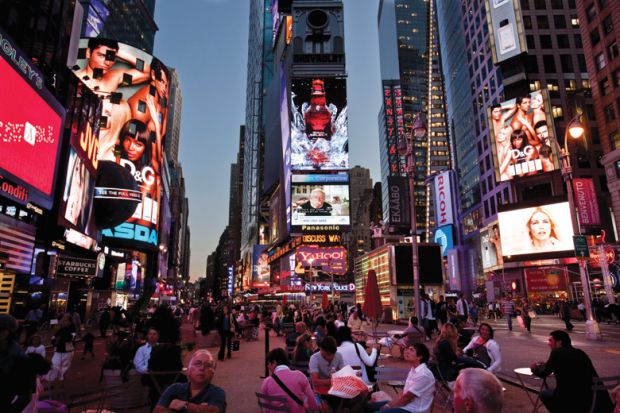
{"x":508,"y":307}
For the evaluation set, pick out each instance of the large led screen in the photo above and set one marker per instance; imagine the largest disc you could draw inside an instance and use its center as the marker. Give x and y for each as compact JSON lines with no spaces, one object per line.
{"x":523,"y":137}
{"x":76,"y":203}
{"x":535,"y":230}
{"x":134,"y":88}
{"x":261,"y":271}
{"x":319,"y":124}
{"x":320,"y":200}
{"x":30,"y":126}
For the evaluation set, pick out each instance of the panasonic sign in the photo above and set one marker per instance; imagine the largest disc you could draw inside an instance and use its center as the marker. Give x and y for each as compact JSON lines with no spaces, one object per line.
{"x":443,"y":199}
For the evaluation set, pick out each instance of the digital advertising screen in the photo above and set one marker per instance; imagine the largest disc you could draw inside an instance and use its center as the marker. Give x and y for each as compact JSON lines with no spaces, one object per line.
{"x":261,"y":272}
{"x":490,"y":246}
{"x":332,"y":260}
{"x":31,"y":122}
{"x":536,"y":230}
{"x":320,"y":200}
{"x":134,"y":87}
{"x":523,"y":136}
{"x":319,"y":124}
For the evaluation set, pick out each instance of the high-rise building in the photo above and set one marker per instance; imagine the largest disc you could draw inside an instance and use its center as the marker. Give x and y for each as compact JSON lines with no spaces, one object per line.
{"x":259,"y":74}
{"x":412,"y":83}
{"x":128,"y":21}
{"x":173,"y":128}
{"x":600,"y":32}
{"x":357,"y":239}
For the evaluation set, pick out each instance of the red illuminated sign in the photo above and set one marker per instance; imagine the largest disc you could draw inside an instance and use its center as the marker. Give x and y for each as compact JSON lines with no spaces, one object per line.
{"x":329,"y":259}
{"x":30,"y":133}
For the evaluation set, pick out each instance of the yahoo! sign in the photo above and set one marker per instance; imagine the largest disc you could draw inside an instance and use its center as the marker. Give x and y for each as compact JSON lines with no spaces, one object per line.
{"x":443,"y":199}
{"x":327,"y":259}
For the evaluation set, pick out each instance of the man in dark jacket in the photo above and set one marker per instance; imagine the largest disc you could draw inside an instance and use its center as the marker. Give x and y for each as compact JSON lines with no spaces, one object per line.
{"x":573,"y":371}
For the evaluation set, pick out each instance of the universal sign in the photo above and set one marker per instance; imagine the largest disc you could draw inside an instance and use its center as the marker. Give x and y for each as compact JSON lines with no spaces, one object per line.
{"x":443,"y":199}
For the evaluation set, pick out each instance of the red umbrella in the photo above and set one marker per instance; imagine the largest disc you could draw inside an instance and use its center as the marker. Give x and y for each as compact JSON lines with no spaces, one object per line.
{"x":324,"y":300}
{"x":372,"y":300}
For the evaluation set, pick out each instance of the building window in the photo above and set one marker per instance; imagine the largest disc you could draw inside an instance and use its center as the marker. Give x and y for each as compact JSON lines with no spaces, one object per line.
{"x":540,"y":5}
{"x":525,"y":4}
{"x":557,"y":4}
{"x":545,"y":41}
{"x":530,"y":42}
{"x":591,"y":12}
{"x":563,"y":41}
{"x":574,"y":22}
{"x":612,"y":51}
{"x":527,"y":22}
{"x":590,"y":109}
{"x":557,"y":112}
{"x":614,"y":139}
{"x":594,"y":135}
{"x":595,"y":37}
{"x":582,"y":63}
{"x":609,"y":113}
{"x":615,"y":78}
{"x":608,"y":25}
{"x":567,"y":63}
{"x":549,"y":63}
{"x":559,"y":21}
{"x":604,"y":86}
{"x":600,"y":62}
{"x":542,"y":21}
{"x":578,"y":43}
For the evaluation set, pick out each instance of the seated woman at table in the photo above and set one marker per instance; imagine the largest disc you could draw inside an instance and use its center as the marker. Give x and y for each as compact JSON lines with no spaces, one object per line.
{"x":446,"y":351}
{"x":354,"y":354}
{"x":412,"y":334}
{"x":304,"y":349}
{"x":482,"y":351}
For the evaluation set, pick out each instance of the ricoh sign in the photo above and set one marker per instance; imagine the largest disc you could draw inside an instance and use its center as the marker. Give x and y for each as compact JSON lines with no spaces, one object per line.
{"x":443,"y":199}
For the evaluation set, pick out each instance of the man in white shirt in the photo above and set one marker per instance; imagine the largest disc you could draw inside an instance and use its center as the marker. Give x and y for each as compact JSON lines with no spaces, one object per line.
{"x":356,"y":358}
{"x":143,"y":355}
{"x":462,"y":309}
{"x":419,"y":390}
{"x":428,"y":319}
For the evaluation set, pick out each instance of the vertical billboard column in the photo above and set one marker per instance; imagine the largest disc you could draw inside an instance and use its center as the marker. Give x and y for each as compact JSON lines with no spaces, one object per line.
{"x":134,"y":87}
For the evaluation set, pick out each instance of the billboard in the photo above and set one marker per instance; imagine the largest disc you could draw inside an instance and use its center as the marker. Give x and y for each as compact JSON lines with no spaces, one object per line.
{"x":319,"y":124}
{"x":506,"y":29}
{"x":545,"y":279}
{"x":444,"y":236}
{"x":535,"y":230}
{"x":586,"y":201}
{"x":134,"y":88}
{"x":398,"y":202}
{"x":30,"y":127}
{"x":443,"y":199}
{"x":490,"y":246}
{"x":523,"y":136}
{"x":332,"y":260}
{"x":320,"y":200}
{"x":261,"y":274}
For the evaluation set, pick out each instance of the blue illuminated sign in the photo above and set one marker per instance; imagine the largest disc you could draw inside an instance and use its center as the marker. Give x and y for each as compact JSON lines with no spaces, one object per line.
{"x":444,"y":236}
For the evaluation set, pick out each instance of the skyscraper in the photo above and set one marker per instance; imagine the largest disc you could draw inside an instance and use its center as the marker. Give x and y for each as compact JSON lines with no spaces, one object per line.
{"x":412,"y":83}
{"x":173,"y":128}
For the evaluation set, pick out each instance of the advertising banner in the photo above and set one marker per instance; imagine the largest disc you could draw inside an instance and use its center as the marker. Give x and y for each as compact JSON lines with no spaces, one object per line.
{"x":319,"y":124}
{"x":398,"y":203}
{"x":523,"y":136}
{"x":286,"y":148}
{"x":134,"y":88}
{"x":454,"y":278}
{"x":332,"y":260}
{"x":320,"y":200}
{"x":536,"y":230}
{"x":586,"y":202}
{"x":393,"y":114}
{"x":544,"y":279}
{"x":506,"y":29}
{"x":261,"y":272}
{"x":30,"y":127}
{"x":76,"y":267}
{"x":490,"y":246}
{"x":444,"y":236}
{"x":16,"y":244}
{"x":443,"y":199}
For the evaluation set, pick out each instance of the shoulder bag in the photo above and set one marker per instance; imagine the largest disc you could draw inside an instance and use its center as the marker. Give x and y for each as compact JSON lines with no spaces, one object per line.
{"x":371,"y":371}
{"x":287,"y":390}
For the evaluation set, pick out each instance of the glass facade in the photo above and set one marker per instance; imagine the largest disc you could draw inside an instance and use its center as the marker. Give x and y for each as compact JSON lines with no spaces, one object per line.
{"x":408,"y":33}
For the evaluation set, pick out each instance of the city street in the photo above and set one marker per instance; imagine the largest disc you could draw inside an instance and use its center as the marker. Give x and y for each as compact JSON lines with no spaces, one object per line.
{"x":242,"y":375}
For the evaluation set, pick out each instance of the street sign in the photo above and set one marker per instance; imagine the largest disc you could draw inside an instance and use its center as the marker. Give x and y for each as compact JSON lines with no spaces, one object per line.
{"x":581,"y":247}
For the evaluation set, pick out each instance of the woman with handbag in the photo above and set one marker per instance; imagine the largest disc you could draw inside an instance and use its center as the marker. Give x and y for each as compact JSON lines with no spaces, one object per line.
{"x":526,"y":313}
{"x":483,"y":351}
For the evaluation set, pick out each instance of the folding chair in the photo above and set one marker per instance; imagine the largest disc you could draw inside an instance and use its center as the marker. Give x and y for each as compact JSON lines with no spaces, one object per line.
{"x":392,"y":376}
{"x":272,"y":403}
{"x":445,"y":389}
{"x":602,"y":384}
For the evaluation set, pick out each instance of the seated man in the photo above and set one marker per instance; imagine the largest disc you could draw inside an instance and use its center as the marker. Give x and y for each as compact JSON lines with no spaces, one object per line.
{"x":573,"y":374}
{"x":288,"y":383}
{"x":198,"y":395}
{"x":477,"y":390}
{"x":141,"y":359}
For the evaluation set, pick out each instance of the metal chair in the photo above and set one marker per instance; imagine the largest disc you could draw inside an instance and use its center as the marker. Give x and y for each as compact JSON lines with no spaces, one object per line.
{"x":445,"y":389}
{"x":392,"y":376}
{"x":272,"y":403}
{"x":602,"y":384}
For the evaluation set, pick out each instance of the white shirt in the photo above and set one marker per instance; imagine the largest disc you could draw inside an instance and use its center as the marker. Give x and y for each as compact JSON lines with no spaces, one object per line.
{"x":350,"y":357}
{"x":421,"y":383}
{"x":460,"y":309}
{"x":37,"y":350}
{"x":141,"y":359}
{"x":427,"y":310}
{"x":493,"y":350}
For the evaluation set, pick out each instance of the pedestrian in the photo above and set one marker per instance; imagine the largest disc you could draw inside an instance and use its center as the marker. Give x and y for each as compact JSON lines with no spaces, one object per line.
{"x":89,"y":340}
{"x":477,"y":390}
{"x":442,"y":310}
{"x":574,"y":372}
{"x":462,"y":308}
{"x":508,"y":308}
{"x":36,"y":346}
{"x":15,"y":383}
{"x":226,"y":328}
{"x":525,"y":313}
{"x":63,"y":348}
{"x":473,"y":313}
{"x":582,"y":309}
{"x":429,"y":323}
{"x":565,"y":315}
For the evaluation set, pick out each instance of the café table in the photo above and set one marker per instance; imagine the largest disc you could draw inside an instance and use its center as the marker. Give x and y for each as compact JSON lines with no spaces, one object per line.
{"x":526,"y":372}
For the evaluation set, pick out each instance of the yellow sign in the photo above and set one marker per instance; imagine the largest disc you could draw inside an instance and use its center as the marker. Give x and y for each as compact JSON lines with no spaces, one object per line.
{"x":7,"y":283}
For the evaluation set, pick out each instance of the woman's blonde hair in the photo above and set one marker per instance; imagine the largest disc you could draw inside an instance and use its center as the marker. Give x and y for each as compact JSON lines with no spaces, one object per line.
{"x":450,"y":334}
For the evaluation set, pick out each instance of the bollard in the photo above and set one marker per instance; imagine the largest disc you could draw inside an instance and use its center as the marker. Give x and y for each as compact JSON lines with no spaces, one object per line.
{"x":266,"y":350}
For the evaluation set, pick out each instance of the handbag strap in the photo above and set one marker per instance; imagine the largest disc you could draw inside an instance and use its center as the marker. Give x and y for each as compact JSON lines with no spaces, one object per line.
{"x":357,"y":350}
{"x":287,"y":390}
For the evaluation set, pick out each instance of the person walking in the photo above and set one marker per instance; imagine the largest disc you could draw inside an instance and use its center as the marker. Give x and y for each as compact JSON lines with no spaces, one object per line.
{"x":429,"y":323}
{"x":462,"y":309}
{"x":226,"y":328}
{"x":565,"y":315}
{"x":525,"y":313}
{"x":63,"y":348}
{"x":508,"y":308}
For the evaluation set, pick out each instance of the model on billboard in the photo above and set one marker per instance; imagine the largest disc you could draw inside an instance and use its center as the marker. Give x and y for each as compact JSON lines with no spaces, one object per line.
{"x":522,"y":155}
{"x":504,"y":151}
{"x":98,"y":74}
{"x":114,"y":116}
{"x":500,"y":116}
{"x":541,"y":228}
{"x":76,"y":193}
{"x":316,"y":206}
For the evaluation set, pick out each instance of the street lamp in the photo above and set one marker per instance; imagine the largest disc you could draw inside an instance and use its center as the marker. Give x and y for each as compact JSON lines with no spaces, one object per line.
{"x":576,"y":130}
{"x":405,"y":148}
